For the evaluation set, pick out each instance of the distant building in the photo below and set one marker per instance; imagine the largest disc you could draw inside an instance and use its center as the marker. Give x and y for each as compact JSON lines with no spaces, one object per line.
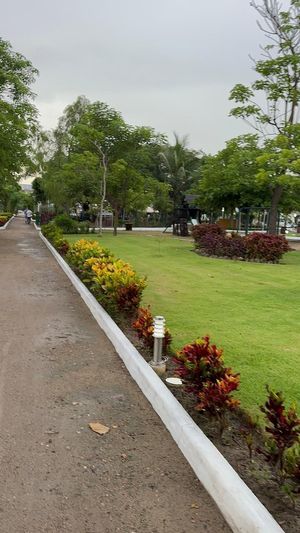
{"x":26,"y":187}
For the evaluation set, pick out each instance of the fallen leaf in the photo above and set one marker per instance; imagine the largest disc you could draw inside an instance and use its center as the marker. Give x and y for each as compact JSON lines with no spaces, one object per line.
{"x":195,"y":506}
{"x":99,"y":428}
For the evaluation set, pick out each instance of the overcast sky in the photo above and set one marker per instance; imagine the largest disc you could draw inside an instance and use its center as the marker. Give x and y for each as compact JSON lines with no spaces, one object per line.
{"x":169,"y":64}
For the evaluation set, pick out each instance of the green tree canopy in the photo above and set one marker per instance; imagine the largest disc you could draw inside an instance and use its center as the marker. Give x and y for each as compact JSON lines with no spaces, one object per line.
{"x":17,"y":113}
{"x":278,"y":83}
{"x":95,"y":149}
{"x":179,"y":165}
{"x":228,"y":179}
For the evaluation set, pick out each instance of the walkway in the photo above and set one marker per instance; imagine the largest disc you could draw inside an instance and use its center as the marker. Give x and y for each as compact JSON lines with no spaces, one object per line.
{"x":58,"y":372}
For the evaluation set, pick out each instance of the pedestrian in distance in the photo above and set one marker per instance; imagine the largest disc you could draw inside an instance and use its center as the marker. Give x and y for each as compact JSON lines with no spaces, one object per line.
{"x":29,"y":215}
{"x":25,"y":214}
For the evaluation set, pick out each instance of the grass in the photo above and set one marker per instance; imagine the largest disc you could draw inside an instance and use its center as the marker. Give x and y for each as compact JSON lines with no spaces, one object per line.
{"x":251,"y":310}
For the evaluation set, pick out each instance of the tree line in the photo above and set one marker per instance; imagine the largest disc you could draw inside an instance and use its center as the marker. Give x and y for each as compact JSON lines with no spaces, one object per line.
{"x":94,"y":157}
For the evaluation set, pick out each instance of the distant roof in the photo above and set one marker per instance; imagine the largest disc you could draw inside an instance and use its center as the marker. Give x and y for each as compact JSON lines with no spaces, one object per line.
{"x":26,"y":187}
{"x":191,"y":199}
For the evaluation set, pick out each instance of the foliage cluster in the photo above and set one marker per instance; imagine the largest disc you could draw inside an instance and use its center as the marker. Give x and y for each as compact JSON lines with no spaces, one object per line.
{"x":66,"y":223}
{"x":112,"y":281}
{"x":201,"y":366}
{"x":55,"y":235}
{"x":265,"y":248}
{"x":211,"y":240}
{"x":4,"y":217}
{"x":283,"y":428}
{"x":143,"y":325}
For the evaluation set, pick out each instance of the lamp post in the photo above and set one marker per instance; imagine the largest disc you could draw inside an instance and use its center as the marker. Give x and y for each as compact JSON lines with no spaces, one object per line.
{"x":158,"y":362}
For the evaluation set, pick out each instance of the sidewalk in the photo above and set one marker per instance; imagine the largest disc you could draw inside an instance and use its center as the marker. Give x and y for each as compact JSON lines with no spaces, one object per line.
{"x":58,"y":372}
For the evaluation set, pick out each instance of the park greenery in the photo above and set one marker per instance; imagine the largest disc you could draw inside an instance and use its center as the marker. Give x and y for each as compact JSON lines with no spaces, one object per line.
{"x":18,"y":123}
{"x":206,"y":377}
{"x":94,"y":159}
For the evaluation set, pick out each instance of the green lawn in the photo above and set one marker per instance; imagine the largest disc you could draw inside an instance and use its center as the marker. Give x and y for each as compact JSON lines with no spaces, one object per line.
{"x":251,"y":310}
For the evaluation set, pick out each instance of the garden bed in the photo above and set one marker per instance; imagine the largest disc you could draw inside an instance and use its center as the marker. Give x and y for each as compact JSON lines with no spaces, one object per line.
{"x":255,"y":473}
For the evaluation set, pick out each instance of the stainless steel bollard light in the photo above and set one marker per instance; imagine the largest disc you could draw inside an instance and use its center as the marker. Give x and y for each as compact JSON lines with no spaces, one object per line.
{"x":158,"y":362}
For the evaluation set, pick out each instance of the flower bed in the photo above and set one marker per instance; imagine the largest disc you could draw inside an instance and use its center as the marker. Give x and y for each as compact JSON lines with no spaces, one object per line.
{"x":4,"y":218}
{"x":212,"y":240}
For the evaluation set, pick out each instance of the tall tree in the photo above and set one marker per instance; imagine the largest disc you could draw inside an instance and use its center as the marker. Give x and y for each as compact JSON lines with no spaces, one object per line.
{"x":17,"y":113}
{"x":95,"y":145}
{"x":179,"y":164}
{"x":228,"y":179}
{"x":278,"y":81}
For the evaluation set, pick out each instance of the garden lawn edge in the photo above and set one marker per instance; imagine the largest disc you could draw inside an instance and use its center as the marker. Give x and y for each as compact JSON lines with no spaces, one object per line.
{"x":241,"y":509}
{"x":6,"y":224}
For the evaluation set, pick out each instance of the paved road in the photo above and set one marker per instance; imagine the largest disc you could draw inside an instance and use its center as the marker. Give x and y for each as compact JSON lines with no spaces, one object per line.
{"x":58,"y":372}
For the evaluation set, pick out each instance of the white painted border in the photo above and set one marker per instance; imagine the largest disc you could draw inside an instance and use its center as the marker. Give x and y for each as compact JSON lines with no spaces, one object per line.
{"x":6,"y":224}
{"x":240,"y":507}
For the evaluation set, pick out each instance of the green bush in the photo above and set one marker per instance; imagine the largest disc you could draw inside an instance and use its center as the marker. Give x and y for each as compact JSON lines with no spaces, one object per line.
{"x":52,"y":232}
{"x":66,"y":224}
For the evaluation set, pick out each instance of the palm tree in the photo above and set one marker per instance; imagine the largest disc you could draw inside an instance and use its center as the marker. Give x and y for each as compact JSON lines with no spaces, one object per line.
{"x":178,"y":164}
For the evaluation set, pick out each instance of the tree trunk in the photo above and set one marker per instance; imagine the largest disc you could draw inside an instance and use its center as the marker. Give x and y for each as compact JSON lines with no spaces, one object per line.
{"x":276,"y":196}
{"x":116,"y":220}
{"x":103,"y":191}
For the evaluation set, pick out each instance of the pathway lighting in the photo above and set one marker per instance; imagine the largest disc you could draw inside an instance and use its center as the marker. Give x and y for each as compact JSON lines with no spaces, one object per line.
{"x":158,"y":362}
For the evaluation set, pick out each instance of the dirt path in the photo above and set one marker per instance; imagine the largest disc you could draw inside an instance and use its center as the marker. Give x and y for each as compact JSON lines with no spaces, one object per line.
{"x":58,"y":372}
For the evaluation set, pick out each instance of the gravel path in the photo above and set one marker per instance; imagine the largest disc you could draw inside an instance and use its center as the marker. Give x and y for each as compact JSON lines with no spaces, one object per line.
{"x":58,"y":372}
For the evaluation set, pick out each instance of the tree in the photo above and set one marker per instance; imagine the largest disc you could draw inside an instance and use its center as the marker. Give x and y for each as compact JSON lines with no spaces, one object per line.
{"x":97,"y":152}
{"x":228,"y":179}
{"x":17,"y":113}
{"x":279,"y":81}
{"x":74,"y":180}
{"x":279,"y":166}
{"x":179,"y":164}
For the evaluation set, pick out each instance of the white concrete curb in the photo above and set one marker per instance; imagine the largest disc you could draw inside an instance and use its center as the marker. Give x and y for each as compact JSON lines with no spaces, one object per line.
{"x":5,"y":225}
{"x":240,"y":507}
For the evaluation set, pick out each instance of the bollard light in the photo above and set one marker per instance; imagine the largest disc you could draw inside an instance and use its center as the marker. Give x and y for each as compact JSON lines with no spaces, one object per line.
{"x":158,"y":362}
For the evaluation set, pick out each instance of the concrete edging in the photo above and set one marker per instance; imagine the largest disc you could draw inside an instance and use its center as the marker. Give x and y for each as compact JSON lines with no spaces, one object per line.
{"x":241,"y":509}
{"x":6,"y":224}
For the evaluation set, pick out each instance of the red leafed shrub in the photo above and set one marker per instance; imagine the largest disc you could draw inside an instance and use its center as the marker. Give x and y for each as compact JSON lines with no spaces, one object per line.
{"x":283,"y":427}
{"x":215,"y":398}
{"x":200,"y":230}
{"x":128,"y":297}
{"x":143,"y":325}
{"x":200,"y":362}
{"x":222,"y":246}
{"x":202,"y":368}
{"x":211,"y":240}
{"x":62,"y":246}
{"x":265,"y":248}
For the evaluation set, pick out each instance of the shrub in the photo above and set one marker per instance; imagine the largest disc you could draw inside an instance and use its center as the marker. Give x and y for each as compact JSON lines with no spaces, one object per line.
{"x":66,"y":224}
{"x":212,"y":240}
{"x":265,"y":248}
{"x":116,"y":284}
{"x":82,"y":250}
{"x":84,"y":226}
{"x":143,"y":325}
{"x":62,"y":246}
{"x":283,"y":427}
{"x":200,"y":362}
{"x":215,"y":398}
{"x":201,"y":366}
{"x":200,"y":230}
{"x":52,"y":233}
